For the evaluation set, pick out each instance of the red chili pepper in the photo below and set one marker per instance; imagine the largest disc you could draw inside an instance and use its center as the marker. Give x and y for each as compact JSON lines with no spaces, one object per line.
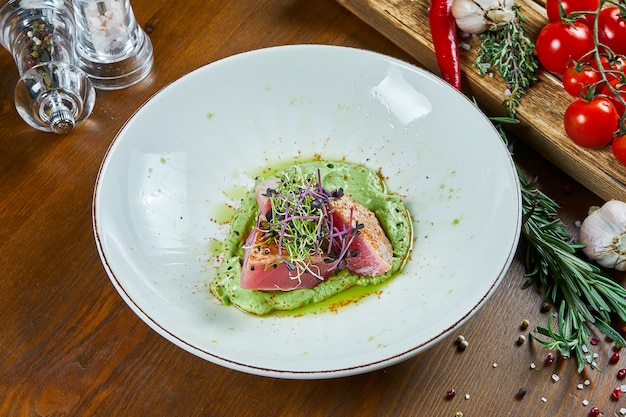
{"x":443,"y":33}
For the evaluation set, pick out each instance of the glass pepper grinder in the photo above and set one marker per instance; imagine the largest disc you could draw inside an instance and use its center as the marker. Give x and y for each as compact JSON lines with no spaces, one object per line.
{"x":110,"y":45}
{"x":52,"y":94}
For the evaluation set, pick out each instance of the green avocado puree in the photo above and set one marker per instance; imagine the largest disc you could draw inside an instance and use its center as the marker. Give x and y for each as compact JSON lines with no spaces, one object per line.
{"x":358,"y":182}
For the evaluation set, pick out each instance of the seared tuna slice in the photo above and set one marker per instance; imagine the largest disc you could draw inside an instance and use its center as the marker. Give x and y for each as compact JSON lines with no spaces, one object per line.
{"x":264,"y":269}
{"x":370,"y":251}
{"x":262,"y":192}
{"x":353,"y":239}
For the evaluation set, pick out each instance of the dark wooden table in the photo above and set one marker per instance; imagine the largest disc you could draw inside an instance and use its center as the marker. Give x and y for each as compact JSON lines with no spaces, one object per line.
{"x":69,"y":345}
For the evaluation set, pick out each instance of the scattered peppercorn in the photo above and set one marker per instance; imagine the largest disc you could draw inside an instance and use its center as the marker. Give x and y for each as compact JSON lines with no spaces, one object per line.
{"x":450,"y":394}
{"x":616,"y":394}
{"x":550,"y":359}
{"x":521,"y":339}
{"x":595,"y":341}
{"x":594,"y":412}
{"x":614,"y":358}
{"x":521,"y":393}
{"x":463,"y":344}
{"x":460,"y":338}
{"x":545,"y":307}
{"x":621,"y":374}
{"x":525,"y":324}
{"x":567,"y":188}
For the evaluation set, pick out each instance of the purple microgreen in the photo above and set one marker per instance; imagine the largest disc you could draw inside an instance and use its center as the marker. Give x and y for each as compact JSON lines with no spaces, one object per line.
{"x":269,"y":192}
{"x":300,"y":222}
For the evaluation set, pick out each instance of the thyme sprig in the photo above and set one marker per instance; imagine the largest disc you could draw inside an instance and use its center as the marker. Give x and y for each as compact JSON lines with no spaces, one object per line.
{"x":585,"y":294}
{"x":511,"y":53}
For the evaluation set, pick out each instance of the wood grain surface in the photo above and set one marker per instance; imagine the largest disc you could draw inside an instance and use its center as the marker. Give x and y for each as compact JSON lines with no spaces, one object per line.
{"x":541,"y":110}
{"x":69,"y":345}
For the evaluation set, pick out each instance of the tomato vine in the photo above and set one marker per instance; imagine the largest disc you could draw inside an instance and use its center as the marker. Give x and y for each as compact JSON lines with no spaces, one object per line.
{"x":597,"y":77}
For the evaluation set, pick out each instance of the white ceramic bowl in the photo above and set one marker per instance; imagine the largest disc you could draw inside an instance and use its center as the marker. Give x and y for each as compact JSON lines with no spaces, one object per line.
{"x":173,"y":175}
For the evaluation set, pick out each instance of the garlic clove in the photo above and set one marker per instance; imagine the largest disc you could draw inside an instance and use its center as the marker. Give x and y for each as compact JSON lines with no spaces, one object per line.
{"x":469,"y":16}
{"x":465,"y":8}
{"x":472,"y":25}
{"x":603,"y":232}
{"x":477,"y":16}
{"x":497,"y":19}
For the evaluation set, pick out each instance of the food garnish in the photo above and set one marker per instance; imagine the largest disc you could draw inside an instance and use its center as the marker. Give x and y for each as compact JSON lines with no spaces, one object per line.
{"x":304,"y":233}
{"x":292,"y":203}
{"x":584,"y":294}
{"x":504,"y":46}
{"x":511,"y":53}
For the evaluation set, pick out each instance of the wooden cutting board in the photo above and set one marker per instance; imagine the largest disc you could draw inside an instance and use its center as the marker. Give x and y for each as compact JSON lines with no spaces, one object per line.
{"x":405,"y":22}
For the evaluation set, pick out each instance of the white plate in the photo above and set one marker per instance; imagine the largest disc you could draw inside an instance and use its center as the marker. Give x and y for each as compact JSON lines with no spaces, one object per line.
{"x":171,"y":177}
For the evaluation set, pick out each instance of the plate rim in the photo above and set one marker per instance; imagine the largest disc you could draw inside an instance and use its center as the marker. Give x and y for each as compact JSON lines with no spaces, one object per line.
{"x":279,"y":372}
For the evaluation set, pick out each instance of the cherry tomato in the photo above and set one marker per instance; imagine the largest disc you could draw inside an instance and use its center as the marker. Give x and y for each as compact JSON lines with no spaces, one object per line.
{"x":613,"y":69}
{"x":612,"y":29}
{"x":569,"y":6}
{"x":591,"y":124}
{"x":559,"y":43}
{"x":619,"y":148}
{"x":577,"y":81}
{"x":621,"y":88}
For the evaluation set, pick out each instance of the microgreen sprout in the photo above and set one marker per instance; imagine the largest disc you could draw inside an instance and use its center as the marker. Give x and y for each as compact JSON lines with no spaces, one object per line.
{"x":300,"y":223}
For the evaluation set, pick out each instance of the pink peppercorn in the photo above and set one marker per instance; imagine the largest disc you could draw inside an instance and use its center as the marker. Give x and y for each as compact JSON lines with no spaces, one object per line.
{"x":450,"y":394}
{"x":595,"y":341}
{"x":550,"y":358}
{"x":594,"y":412}
{"x":614,"y":357}
{"x":616,"y":394}
{"x":621,"y":374}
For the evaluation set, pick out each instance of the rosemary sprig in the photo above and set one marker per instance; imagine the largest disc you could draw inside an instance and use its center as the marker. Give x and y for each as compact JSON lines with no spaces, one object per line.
{"x":511,"y":53}
{"x":586,"y":295}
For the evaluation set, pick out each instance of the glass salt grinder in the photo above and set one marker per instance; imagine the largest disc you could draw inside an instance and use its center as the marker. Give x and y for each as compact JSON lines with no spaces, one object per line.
{"x":52,"y":95}
{"x":110,"y":46}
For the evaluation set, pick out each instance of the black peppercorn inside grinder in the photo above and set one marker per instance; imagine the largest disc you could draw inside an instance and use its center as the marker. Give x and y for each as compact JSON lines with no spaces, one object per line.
{"x":52,"y":94}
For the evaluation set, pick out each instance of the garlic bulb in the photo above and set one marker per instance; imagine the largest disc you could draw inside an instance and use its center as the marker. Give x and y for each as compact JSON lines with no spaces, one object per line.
{"x":477,"y":16}
{"x":604,"y":234}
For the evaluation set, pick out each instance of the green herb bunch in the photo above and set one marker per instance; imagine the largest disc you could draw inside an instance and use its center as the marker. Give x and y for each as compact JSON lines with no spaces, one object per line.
{"x":511,"y":52}
{"x":585,"y":294}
